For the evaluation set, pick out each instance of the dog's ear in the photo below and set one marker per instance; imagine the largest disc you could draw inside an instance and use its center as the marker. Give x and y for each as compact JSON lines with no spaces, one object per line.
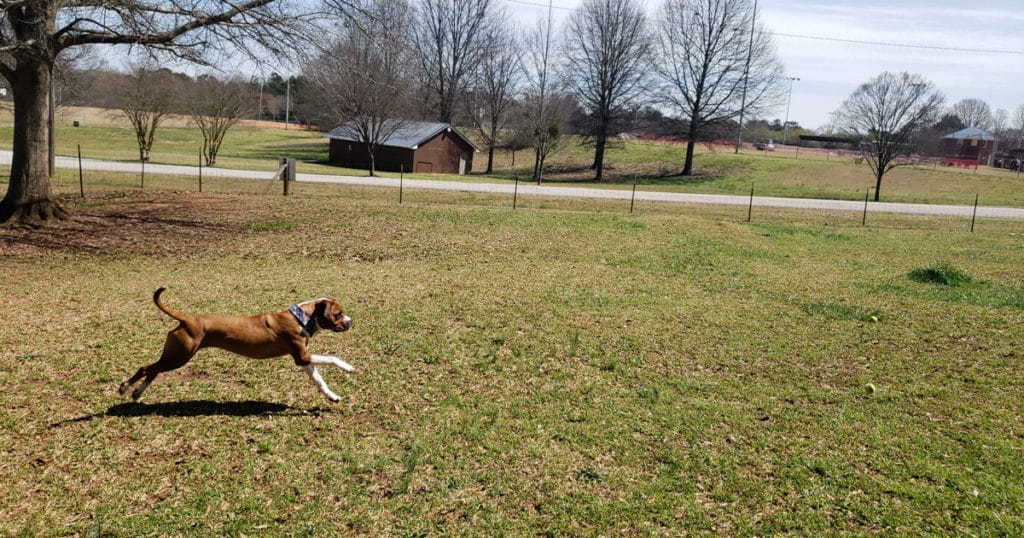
{"x":320,"y":309}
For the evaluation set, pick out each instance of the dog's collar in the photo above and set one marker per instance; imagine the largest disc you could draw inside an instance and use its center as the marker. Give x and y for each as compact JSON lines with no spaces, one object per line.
{"x":308,"y":324}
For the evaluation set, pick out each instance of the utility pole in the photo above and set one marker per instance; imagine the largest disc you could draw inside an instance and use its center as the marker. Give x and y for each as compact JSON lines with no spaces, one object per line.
{"x":789,"y":99}
{"x":259,"y":109}
{"x":746,"y":77}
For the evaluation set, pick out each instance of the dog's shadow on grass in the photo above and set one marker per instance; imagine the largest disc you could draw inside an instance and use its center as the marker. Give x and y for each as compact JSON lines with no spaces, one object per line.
{"x":195,"y":408}
{"x":198,"y":408}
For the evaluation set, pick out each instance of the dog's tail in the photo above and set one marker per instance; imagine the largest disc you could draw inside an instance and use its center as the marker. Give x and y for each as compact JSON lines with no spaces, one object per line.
{"x":160,"y":304}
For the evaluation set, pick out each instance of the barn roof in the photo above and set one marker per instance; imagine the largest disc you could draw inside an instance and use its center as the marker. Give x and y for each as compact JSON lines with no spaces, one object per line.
{"x":408,"y":135}
{"x":971,"y":133}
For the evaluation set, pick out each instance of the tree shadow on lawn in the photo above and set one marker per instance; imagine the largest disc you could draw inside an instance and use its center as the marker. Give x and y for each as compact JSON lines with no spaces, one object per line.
{"x":195,"y":408}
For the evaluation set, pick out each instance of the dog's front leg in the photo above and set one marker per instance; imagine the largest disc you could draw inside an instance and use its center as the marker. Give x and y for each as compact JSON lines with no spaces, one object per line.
{"x":320,"y":383}
{"x":327,"y":359}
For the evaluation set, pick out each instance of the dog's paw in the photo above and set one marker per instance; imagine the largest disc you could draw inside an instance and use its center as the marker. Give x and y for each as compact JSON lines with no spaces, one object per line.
{"x":123,"y":389}
{"x":137,"y":393}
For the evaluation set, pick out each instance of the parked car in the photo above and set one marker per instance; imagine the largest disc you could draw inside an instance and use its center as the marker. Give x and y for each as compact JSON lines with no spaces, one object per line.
{"x":766,"y":144}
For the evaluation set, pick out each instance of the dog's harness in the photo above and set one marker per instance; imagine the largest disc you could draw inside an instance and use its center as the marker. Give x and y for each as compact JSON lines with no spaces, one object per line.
{"x":308,"y":324}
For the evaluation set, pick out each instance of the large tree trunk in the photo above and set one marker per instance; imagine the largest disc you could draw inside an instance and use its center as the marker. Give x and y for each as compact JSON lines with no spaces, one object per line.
{"x":691,"y":143}
{"x":537,"y":166}
{"x":602,"y":142}
{"x":492,"y":140}
{"x":28,"y":199}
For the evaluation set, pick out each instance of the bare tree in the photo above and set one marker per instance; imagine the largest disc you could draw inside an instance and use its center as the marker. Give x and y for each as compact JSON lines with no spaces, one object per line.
{"x":545,"y":126}
{"x":1017,"y":125}
{"x":273,"y":105}
{"x":150,"y":96}
{"x":215,"y":107}
{"x":1000,"y":123}
{"x":543,"y":113}
{"x":495,"y":84}
{"x":74,"y":80}
{"x":361,"y":84}
{"x":448,"y":36}
{"x":973,"y":113}
{"x":884,"y":113}
{"x":34,"y":33}
{"x":706,"y":57}
{"x":607,"y":46}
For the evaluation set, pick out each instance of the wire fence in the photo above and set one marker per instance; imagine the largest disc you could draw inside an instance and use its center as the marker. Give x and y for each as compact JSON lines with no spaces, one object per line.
{"x":82,"y":176}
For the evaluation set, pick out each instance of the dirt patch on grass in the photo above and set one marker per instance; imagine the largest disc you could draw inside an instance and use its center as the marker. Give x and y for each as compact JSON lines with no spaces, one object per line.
{"x":126,"y":222}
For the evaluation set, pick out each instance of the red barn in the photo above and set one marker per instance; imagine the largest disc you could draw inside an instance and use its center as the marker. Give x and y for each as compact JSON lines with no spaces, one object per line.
{"x":414,"y":146}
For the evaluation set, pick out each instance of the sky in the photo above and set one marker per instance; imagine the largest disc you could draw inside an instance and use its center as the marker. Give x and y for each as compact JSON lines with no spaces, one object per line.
{"x":834,"y":46}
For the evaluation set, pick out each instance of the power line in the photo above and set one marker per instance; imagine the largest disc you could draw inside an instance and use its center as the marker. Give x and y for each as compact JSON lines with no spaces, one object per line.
{"x":833,"y":39}
{"x":904,"y":45}
{"x":537,"y":4}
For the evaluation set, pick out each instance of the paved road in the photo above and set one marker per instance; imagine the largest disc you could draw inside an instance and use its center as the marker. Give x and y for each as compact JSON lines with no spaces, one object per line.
{"x":530,"y":189}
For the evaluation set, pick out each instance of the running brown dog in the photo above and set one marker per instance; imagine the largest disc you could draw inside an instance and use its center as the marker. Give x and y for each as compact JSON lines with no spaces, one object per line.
{"x":262,"y":336}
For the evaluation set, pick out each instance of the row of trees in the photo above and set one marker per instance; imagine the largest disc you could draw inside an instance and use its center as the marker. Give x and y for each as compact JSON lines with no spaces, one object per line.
{"x":147,"y":96}
{"x":706,"y":61}
{"x":971,"y":112}
{"x":974,"y":112}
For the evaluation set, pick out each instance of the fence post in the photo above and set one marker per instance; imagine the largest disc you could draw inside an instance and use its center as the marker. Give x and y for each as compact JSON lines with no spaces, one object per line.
{"x":975,"y":214}
{"x":633,"y":197}
{"x":401,"y":182}
{"x":864,"y":219}
{"x":750,"y":206}
{"x":286,"y":171}
{"x":200,"y":170}
{"x":81,"y":182}
{"x":515,"y":193}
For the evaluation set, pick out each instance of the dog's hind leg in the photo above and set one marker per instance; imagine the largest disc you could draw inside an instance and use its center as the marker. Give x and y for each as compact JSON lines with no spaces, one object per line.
{"x":178,"y":350}
{"x":123,"y":389}
{"x":149,"y":372}
{"x":321,"y":385}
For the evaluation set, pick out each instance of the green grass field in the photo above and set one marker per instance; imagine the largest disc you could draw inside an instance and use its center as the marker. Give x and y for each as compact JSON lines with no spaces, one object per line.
{"x":563,"y":369}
